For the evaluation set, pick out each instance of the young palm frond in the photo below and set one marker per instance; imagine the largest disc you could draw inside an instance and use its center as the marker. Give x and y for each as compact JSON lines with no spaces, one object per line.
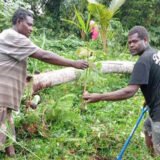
{"x":104,"y":15}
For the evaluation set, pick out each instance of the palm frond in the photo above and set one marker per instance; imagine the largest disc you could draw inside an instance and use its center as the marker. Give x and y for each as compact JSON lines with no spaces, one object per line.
{"x":72,"y":22}
{"x":80,"y":20}
{"x":101,"y":13}
{"x":115,"y":5}
{"x":88,"y":20}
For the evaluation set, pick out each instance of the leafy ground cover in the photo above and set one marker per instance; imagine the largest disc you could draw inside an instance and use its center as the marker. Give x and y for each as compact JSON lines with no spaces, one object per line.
{"x":58,"y":129}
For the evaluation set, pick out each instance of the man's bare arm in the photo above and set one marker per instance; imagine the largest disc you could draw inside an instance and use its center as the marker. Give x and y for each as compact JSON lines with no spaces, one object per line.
{"x":121,"y":94}
{"x":53,"y":58}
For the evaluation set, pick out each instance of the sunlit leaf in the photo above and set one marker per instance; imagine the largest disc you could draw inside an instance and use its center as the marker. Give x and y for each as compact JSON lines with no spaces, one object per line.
{"x":84,"y":52}
{"x":80,"y":20}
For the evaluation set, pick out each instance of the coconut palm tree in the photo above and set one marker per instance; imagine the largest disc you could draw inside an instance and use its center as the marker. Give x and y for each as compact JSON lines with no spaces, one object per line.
{"x":103,"y":15}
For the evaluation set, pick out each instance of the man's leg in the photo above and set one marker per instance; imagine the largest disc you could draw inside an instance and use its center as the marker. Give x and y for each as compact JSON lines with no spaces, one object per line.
{"x":148,"y":135}
{"x":148,"y":140}
{"x":6,"y":127}
{"x":10,"y":149}
{"x":3,"y":127}
{"x":156,"y":137}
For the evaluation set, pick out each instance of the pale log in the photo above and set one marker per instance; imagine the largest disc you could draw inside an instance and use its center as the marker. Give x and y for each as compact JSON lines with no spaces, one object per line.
{"x":121,"y":67}
{"x":57,"y":77}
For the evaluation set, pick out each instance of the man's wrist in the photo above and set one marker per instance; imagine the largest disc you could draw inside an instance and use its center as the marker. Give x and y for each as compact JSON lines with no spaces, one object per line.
{"x":73,"y":63}
{"x":101,"y":97}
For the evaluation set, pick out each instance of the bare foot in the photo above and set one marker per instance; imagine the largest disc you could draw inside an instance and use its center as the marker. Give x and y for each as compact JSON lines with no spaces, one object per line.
{"x":10,"y":151}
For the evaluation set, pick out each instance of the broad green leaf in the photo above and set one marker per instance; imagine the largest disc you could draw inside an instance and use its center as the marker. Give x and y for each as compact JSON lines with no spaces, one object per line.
{"x":88,"y":20}
{"x":80,"y":20}
{"x":72,"y":22}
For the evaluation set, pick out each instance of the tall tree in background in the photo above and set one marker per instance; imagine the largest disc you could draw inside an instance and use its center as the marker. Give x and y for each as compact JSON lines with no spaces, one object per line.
{"x":142,"y":12}
{"x":49,"y":12}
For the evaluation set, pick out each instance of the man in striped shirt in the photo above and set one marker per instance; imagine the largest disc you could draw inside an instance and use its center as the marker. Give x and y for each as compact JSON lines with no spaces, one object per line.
{"x":15,"y":48}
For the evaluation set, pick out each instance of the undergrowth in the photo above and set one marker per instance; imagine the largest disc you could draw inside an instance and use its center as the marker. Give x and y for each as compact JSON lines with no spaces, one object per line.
{"x":58,"y":129}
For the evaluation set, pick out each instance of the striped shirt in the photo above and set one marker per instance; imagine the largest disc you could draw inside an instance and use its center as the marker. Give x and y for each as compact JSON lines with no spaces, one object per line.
{"x":14,"y":50}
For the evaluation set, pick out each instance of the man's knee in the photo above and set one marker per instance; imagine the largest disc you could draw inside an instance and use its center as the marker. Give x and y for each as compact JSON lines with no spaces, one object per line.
{"x":147,"y":128}
{"x":157,"y":149}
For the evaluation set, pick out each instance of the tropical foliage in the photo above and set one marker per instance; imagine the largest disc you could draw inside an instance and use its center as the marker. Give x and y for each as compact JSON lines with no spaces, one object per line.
{"x":58,"y":128}
{"x":7,"y":9}
{"x":103,"y":16}
{"x":84,"y":27}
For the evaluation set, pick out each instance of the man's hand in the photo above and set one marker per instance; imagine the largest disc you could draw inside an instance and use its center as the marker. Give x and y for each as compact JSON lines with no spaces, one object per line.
{"x":91,"y":98}
{"x":80,"y":64}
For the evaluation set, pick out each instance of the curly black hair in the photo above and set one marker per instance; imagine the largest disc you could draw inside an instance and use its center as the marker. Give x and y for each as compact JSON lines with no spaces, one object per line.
{"x":142,"y":32}
{"x":20,"y":14}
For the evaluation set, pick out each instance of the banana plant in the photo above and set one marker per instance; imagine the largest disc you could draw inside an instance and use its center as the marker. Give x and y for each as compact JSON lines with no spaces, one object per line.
{"x":103,"y":15}
{"x":84,"y":27}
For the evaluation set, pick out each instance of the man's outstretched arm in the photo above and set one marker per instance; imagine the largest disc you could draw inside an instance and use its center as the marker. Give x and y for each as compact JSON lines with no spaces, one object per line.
{"x":121,"y":94}
{"x":53,"y":58}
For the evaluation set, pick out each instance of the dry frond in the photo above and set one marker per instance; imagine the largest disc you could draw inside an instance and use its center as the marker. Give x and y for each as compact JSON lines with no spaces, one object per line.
{"x":116,"y":4}
{"x":92,"y":1}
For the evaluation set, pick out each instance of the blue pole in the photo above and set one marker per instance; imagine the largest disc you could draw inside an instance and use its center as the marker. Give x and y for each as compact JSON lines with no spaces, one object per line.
{"x":144,"y":110}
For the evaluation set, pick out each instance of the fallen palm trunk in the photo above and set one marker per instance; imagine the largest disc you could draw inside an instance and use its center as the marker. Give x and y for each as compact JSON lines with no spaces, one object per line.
{"x":121,"y":67}
{"x":61,"y":76}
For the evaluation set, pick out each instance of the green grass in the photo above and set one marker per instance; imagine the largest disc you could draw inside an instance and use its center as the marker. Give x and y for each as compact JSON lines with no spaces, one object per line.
{"x":65,"y":132}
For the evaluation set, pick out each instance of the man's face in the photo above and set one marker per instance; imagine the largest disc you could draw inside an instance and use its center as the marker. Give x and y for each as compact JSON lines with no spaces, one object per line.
{"x":25,"y":26}
{"x":136,"y":45}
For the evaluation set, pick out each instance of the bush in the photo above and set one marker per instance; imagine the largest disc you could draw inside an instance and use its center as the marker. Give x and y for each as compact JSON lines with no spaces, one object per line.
{"x":7,"y":8}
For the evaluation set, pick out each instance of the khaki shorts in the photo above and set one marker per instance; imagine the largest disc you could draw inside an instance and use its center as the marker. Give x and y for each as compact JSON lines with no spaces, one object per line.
{"x":153,"y":129}
{"x":7,"y":129}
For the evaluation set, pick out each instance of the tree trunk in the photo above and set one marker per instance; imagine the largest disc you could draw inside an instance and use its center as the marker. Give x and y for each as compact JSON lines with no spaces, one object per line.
{"x":117,"y":67}
{"x":53,"y":78}
{"x":61,"y":76}
{"x":104,"y":39}
{"x":83,"y":35}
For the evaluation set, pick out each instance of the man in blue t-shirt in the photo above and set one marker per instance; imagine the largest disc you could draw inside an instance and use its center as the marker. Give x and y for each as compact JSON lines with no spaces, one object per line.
{"x":146,"y":76}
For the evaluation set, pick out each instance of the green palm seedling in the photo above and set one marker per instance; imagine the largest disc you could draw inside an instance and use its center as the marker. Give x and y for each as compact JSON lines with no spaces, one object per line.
{"x":84,"y":27}
{"x":86,"y":53}
{"x":103,"y":15}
